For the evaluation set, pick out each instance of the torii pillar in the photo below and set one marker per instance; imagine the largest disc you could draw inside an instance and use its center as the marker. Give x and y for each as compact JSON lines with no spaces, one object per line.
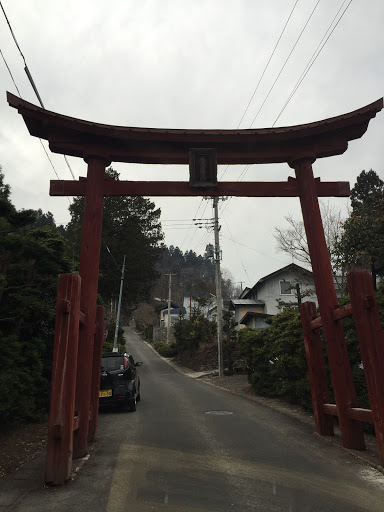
{"x":89,"y":270}
{"x":340,"y":368}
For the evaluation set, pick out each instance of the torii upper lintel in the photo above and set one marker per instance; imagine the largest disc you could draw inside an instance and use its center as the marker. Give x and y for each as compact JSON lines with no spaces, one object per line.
{"x":81,"y":138}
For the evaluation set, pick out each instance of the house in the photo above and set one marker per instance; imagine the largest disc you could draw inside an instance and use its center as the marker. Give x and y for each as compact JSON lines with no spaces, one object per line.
{"x":273,"y":293}
{"x":240,"y":307}
{"x":205,"y":303}
{"x":175,"y":315}
{"x":254,"y":320}
{"x":212,"y":311}
{"x":201,"y":302}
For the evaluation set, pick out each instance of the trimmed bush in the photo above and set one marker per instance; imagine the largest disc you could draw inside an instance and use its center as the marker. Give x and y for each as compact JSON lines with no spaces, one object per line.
{"x":277,"y":366}
{"x":164,"y":349}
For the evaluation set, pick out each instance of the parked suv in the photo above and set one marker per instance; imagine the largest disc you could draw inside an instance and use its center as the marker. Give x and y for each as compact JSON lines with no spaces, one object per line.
{"x":119,"y":381}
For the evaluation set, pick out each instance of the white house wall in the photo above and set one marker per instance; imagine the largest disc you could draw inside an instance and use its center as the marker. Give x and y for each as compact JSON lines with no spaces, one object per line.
{"x":269,"y":292}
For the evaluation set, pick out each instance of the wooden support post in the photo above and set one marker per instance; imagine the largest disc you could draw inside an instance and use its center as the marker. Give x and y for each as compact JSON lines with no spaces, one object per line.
{"x":341,"y":374}
{"x":96,"y":368}
{"x":316,"y":369}
{"x":89,"y":272}
{"x":371,"y":342}
{"x":62,"y":402}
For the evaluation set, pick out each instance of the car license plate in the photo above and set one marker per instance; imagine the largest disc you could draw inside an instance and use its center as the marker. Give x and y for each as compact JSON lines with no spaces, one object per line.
{"x":105,"y":392}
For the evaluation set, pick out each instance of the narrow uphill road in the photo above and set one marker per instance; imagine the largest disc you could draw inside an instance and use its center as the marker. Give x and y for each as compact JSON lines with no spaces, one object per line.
{"x":192,"y":447}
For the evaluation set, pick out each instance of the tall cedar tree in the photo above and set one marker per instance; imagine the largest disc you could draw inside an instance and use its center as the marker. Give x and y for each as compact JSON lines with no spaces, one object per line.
{"x":131,"y":227}
{"x":362,"y":242}
{"x":30,"y":261}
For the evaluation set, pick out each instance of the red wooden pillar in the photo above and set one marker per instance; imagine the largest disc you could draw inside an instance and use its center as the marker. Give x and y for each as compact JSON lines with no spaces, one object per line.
{"x":89,"y":272}
{"x":371,"y":342}
{"x":341,"y":374}
{"x":96,"y":368}
{"x":316,"y":369}
{"x":62,"y":403}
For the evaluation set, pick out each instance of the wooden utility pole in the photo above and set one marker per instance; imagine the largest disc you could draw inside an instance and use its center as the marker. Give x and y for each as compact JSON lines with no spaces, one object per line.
{"x":219,"y":299}
{"x":169,"y":306}
{"x":119,"y":308}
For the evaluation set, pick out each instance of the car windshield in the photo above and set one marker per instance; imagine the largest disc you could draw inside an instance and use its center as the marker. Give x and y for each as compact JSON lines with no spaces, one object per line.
{"x":112,"y":363}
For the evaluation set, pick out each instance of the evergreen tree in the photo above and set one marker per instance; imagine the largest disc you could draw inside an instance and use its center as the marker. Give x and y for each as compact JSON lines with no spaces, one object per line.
{"x":362,"y":242}
{"x":131,"y":227}
{"x":30,"y":261}
{"x":367,"y":190}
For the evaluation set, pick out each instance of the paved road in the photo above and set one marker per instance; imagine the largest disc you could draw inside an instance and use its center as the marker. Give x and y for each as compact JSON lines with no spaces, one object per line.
{"x":176,"y":453}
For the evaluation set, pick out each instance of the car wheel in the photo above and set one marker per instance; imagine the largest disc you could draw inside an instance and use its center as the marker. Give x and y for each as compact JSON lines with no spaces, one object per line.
{"x":138,"y":398}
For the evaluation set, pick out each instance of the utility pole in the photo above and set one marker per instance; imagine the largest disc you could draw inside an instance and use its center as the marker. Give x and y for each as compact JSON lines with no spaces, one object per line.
{"x":169,"y":306}
{"x":118,"y":309}
{"x":219,"y":299}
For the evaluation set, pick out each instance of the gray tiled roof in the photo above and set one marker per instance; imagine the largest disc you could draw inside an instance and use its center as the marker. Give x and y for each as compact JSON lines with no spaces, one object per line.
{"x":246,"y":302}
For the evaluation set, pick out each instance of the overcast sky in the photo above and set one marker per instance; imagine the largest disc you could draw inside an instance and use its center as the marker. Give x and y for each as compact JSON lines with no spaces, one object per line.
{"x":192,"y":64}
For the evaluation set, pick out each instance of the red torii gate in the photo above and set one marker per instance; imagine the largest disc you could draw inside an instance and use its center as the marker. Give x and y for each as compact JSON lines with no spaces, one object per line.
{"x":299,"y":146}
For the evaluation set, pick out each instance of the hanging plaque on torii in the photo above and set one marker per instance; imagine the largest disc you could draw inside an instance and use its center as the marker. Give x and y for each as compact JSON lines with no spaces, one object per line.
{"x":299,"y":146}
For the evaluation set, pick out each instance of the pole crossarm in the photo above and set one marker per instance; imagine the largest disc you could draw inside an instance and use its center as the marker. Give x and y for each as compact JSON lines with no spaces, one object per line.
{"x":178,"y":188}
{"x":76,"y":137}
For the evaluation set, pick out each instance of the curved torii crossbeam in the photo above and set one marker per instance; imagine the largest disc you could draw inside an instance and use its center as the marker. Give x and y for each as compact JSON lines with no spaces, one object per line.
{"x":76,"y":137}
{"x":299,"y":146}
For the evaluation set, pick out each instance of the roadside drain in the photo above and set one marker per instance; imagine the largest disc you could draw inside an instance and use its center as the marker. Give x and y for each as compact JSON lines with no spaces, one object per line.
{"x":219,"y":413}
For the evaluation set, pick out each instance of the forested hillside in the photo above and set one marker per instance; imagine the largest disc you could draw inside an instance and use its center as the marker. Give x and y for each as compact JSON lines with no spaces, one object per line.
{"x":193,"y":274}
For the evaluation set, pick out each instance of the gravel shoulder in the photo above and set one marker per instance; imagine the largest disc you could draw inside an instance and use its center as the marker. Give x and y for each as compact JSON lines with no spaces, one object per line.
{"x":20,"y":445}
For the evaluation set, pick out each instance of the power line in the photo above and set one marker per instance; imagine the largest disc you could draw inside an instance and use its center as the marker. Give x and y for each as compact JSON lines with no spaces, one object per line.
{"x":266,"y":67}
{"x":277,"y":77}
{"x":13,"y":80}
{"x":306,"y":69}
{"x":31,"y":81}
{"x":286,"y":61}
{"x":114,"y":261}
{"x":255,"y":250}
{"x":13,"y":35}
{"x":237,"y":249}
{"x":201,"y":202}
{"x":50,"y":161}
{"x":41,"y":142}
{"x":263,"y":73}
{"x":194,"y":233}
{"x":314,"y":56}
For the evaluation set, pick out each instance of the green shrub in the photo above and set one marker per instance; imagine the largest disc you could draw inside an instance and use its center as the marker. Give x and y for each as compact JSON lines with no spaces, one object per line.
{"x":276,"y":360}
{"x":164,"y":349}
{"x":190,"y":333}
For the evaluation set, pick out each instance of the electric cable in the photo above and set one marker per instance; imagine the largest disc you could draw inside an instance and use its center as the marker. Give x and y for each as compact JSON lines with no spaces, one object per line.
{"x":255,"y":250}
{"x":237,"y":249}
{"x":314,"y":56}
{"x":307,"y":68}
{"x":263,"y":73}
{"x":29,"y":75}
{"x":186,"y":235}
{"x":41,"y":142}
{"x":10,"y":72}
{"x":286,"y":61}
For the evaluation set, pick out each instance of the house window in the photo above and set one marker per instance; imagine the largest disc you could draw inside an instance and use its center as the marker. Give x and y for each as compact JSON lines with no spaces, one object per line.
{"x":287,"y":288}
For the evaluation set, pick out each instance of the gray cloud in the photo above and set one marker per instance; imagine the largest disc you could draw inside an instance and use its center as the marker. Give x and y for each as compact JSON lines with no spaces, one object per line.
{"x":191,"y":64}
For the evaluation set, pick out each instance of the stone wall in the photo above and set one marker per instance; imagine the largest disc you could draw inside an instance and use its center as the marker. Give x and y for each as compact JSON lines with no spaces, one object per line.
{"x":160,"y":334}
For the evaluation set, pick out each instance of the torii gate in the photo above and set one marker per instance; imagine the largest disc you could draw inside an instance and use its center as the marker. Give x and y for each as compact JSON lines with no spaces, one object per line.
{"x":299,"y":146}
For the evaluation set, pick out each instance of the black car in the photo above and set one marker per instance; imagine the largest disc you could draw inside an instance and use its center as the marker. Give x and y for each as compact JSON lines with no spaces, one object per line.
{"x":119,"y":380}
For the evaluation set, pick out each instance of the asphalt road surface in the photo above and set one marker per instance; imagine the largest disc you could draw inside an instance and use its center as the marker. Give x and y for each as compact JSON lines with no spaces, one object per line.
{"x":192,"y":447}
